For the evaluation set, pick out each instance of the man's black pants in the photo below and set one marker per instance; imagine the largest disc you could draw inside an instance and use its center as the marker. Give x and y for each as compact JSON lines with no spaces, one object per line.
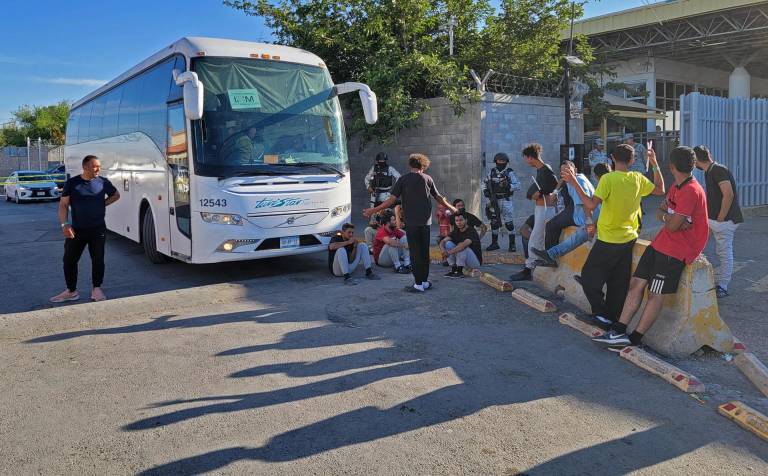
{"x":418,"y":247}
{"x":556,"y":225}
{"x":610,"y":265}
{"x":94,"y":239}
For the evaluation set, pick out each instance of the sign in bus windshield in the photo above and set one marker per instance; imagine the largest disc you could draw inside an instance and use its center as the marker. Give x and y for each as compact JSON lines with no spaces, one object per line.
{"x":244,"y":98}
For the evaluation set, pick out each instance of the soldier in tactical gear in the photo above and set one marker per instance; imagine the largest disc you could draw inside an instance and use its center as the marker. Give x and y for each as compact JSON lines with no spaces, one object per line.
{"x":380,"y":179}
{"x":498,"y":188}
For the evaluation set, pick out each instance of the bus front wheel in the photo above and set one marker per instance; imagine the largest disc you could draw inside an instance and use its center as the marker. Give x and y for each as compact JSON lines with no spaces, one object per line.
{"x":149,"y":240}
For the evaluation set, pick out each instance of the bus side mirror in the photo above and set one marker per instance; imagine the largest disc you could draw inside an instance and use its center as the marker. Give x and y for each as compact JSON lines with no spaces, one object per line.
{"x":367,"y":97}
{"x":193,"y":94}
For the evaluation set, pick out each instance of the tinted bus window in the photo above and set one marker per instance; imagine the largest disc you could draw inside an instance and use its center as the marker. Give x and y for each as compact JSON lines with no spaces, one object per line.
{"x":111,"y":111}
{"x":154,"y":95}
{"x":72,"y":127}
{"x":176,"y":91}
{"x":97,"y":117}
{"x":83,"y":134}
{"x":128,"y":119}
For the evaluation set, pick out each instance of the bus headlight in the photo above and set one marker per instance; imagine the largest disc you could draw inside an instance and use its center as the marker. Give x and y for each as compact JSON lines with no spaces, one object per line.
{"x":341,"y":210}
{"x":231,"y":245}
{"x":222,"y":218}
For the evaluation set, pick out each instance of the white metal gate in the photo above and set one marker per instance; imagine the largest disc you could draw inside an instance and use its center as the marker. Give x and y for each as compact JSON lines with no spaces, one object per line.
{"x":736,"y":131}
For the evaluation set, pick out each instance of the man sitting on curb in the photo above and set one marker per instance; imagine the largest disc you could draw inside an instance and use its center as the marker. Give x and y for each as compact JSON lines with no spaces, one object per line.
{"x":461,"y":247}
{"x":581,"y":218}
{"x":472,"y":220}
{"x":345,"y":255}
{"x":679,"y":242}
{"x":390,"y":248}
{"x":609,"y":263}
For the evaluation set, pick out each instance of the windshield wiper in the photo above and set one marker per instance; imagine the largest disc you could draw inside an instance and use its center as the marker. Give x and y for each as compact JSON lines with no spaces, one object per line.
{"x":253,"y":173}
{"x":318,"y":165}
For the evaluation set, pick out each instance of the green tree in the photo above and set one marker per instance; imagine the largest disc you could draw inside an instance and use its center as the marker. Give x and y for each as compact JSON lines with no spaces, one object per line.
{"x":400,"y":47}
{"x":47,"y":122}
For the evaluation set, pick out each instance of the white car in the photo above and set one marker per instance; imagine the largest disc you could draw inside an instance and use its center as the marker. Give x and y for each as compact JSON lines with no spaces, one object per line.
{"x":32,"y":185}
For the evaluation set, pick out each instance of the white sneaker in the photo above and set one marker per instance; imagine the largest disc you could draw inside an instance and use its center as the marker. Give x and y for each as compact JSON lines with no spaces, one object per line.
{"x":98,"y":295}
{"x":65,"y":295}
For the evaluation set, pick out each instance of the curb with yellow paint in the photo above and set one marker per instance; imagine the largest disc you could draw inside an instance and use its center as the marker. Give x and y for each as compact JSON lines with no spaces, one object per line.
{"x":689,"y":319}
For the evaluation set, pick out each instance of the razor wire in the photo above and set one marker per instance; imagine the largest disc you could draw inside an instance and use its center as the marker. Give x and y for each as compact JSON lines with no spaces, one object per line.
{"x":503,"y":83}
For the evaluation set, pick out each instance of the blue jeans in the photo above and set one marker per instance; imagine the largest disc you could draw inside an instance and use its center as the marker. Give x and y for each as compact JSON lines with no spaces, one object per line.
{"x":569,"y":244}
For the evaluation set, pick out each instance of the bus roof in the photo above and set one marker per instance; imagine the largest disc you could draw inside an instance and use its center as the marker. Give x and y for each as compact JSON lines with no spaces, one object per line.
{"x":193,"y":46}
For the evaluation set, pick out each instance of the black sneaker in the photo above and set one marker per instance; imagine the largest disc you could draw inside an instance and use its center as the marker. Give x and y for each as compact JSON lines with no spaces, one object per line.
{"x":372,"y":277}
{"x":401,"y":270}
{"x":524,"y":275}
{"x":720,"y":292}
{"x":613,"y":338}
{"x":601,"y":322}
{"x":544,"y":264}
{"x":548,"y":261}
{"x":492,"y":247}
{"x":454,"y":274}
{"x":512,"y":248}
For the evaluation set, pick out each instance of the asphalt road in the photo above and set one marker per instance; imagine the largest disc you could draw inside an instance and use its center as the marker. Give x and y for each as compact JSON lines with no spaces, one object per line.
{"x":289,"y":372}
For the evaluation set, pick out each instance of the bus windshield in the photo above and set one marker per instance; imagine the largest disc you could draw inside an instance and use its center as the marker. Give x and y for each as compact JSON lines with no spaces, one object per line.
{"x":267,"y":117}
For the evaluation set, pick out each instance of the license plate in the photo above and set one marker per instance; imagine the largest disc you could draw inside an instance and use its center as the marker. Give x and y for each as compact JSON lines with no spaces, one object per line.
{"x":289,"y":242}
{"x":39,"y":194}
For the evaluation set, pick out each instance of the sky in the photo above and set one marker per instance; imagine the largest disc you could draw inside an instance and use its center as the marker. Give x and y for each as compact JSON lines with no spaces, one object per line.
{"x":52,"y":50}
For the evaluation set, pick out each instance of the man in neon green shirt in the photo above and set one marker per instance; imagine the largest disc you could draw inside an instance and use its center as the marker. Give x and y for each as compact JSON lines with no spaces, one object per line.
{"x":610,"y":261}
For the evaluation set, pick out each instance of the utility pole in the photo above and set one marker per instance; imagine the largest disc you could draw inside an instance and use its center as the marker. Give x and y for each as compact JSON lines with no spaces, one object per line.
{"x":567,"y":81}
{"x":40,"y":153}
{"x":28,"y":146}
{"x":451,"y":25}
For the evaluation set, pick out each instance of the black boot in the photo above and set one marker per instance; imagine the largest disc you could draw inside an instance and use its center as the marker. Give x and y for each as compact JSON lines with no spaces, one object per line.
{"x":512,"y":247}
{"x":494,"y":243}
{"x":524,"y":275}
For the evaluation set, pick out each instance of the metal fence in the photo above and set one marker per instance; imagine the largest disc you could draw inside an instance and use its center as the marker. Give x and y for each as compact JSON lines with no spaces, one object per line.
{"x":736,"y":131}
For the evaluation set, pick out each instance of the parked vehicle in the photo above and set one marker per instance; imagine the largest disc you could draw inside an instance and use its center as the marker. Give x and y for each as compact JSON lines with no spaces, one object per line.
{"x":59,"y":175}
{"x":222,"y":150}
{"x":31,"y":185}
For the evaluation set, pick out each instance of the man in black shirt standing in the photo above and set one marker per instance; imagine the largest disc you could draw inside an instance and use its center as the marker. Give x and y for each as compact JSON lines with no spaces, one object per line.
{"x":723,"y":213}
{"x":541,"y":194}
{"x":88,"y":195}
{"x":461,"y":247}
{"x":414,"y":189}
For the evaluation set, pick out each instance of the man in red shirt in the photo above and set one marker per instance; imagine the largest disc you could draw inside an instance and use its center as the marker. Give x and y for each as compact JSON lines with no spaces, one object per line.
{"x":679,"y":243}
{"x":390,"y":247}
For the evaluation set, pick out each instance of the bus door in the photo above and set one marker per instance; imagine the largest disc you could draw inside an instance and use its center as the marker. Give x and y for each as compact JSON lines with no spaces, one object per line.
{"x":178,"y":162}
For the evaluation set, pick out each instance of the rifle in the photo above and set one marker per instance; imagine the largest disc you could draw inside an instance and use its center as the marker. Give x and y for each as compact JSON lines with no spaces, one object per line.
{"x":493,"y":210}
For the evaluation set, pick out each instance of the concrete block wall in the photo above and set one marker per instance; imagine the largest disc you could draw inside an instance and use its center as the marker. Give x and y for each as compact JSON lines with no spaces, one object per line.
{"x":451,"y":142}
{"x":461,"y":148}
{"x":510,"y":122}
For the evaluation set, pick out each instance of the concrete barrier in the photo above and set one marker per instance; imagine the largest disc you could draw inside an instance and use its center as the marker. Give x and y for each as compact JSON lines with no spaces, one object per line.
{"x":689,"y":319}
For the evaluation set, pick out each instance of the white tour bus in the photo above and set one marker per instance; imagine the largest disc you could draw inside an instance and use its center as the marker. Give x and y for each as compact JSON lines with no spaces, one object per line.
{"x":222,"y":150}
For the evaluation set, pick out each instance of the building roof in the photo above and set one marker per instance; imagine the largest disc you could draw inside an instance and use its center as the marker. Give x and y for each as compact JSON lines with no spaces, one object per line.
{"x":719,"y":34}
{"x":653,"y":13}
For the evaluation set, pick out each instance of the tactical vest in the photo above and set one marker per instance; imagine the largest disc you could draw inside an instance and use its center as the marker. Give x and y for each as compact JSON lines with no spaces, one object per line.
{"x":382,"y":180}
{"x":501,"y":184}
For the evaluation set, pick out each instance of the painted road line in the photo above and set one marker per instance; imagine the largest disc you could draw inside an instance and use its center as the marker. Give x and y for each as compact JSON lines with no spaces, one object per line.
{"x":571,"y":320}
{"x":495,"y":282}
{"x":754,"y":370}
{"x":746,"y":417}
{"x":536,"y":302}
{"x":682,"y":380}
